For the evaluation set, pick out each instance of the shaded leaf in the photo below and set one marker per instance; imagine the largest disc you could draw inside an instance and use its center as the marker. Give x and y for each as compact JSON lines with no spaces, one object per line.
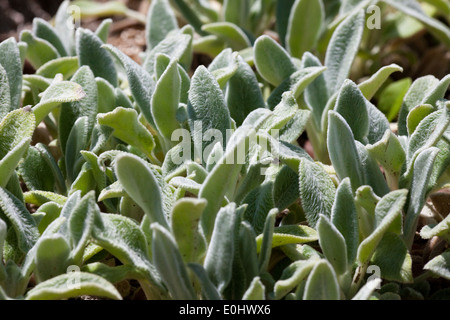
{"x":259,"y":202}
{"x":91,"y":53}
{"x":16,"y":130}
{"x":44,"y":30}
{"x":285,"y":188}
{"x":266,"y":244}
{"x":342,"y":50}
{"x":185,"y":227}
{"x":343,"y":151}
{"x":370,"y":87}
{"x":322,"y":283}
{"x":35,"y":171}
{"x":209,"y":290}
{"x":57,"y":93}
{"x":422,"y":171}
{"x":81,"y":223}
{"x":292,"y":276}
{"x":391,"y":97}
{"x":351,"y":105}
{"x":317,"y":191}
{"x":207,"y":110}
{"x":317,"y":93}
{"x":140,"y":183}
{"x":161,"y":21}
{"x":123,"y":238}
{"x":289,"y":234}
{"x":256,"y":290}
{"x":224,"y":176}
{"x":237,"y":12}
{"x":414,"y":96}
{"x":77,"y":141}
{"x":388,"y":210}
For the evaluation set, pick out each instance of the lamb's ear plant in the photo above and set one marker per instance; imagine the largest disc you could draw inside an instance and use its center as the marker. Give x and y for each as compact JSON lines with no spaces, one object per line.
{"x":192,"y":181}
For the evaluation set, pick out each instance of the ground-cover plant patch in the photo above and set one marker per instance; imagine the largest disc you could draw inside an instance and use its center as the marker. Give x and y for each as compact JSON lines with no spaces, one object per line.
{"x":293,"y":165}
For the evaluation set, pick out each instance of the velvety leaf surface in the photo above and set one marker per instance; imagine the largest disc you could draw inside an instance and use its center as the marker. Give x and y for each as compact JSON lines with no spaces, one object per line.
{"x":388,"y":210}
{"x":317,"y":191}
{"x":169,"y":262}
{"x":322,"y":283}
{"x":305,"y":24}
{"x":218,"y":258}
{"x":440,"y":265}
{"x":11,"y":62}
{"x":137,"y":180}
{"x":290,"y":234}
{"x":234,"y":36}
{"x":128,"y":128}
{"x":16,"y":131}
{"x":185,"y":227}
{"x":166,"y":99}
{"x":207,"y":109}
{"x":91,"y":53}
{"x":21,"y":220}
{"x":342,"y":50}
